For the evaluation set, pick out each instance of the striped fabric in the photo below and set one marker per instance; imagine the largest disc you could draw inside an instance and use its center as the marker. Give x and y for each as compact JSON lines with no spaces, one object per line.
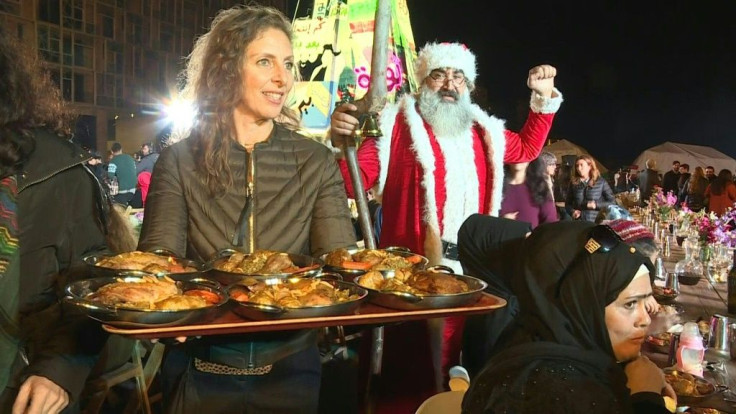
{"x":8,"y":222}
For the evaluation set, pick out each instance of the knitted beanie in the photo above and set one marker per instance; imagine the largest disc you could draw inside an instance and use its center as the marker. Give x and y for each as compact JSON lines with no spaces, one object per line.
{"x":629,"y":231}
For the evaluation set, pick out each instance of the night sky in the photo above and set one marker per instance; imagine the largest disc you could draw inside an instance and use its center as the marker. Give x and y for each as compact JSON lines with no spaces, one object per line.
{"x":633,"y":73}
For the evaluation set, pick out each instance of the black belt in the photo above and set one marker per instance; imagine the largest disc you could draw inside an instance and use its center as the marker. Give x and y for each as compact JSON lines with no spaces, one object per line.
{"x":449,"y":250}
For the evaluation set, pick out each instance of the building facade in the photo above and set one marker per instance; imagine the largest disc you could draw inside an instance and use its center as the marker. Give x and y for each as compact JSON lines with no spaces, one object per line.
{"x":112,"y":59}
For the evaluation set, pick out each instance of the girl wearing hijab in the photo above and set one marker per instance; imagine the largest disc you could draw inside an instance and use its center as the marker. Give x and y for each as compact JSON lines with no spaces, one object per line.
{"x":576,"y":349}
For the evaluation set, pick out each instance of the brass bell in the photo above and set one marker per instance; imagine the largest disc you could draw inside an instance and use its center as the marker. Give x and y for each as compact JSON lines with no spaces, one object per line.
{"x":370,"y":126}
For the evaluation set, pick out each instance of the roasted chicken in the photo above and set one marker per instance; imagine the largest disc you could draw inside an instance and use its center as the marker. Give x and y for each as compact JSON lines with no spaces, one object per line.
{"x":259,"y":262}
{"x":148,"y":262}
{"x":295,"y":294}
{"x":146,"y":293}
{"x":418,"y":283}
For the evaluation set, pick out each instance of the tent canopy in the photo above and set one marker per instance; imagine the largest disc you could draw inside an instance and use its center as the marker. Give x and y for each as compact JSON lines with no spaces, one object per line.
{"x":694,"y":155}
{"x":564,"y":147}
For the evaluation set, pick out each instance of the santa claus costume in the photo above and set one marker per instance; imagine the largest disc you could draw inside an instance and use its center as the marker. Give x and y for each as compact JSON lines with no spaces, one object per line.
{"x":430,"y":184}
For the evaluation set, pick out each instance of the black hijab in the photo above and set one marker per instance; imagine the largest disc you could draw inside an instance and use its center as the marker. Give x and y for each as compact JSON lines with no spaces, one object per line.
{"x":562,"y":319}
{"x":488,"y":247}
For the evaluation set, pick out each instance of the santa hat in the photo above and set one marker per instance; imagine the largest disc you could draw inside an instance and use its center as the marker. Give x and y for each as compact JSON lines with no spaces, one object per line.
{"x":629,"y":231}
{"x":446,"y":55}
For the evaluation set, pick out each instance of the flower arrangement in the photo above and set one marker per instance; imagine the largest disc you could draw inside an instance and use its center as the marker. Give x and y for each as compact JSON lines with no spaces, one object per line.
{"x":716,"y":229}
{"x":663,"y":204}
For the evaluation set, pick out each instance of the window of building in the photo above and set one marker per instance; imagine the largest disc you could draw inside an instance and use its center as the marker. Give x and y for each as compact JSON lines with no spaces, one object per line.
{"x":83,"y":87}
{"x":166,"y":38}
{"x":114,"y":58}
{"x":83,"y":50}
{"x":67,"y":56}
{"x":10,"y":6}
{"x":137,"y":59}
{"x":74,"y":14}
{"x":135,"y":30}
{"x":106,"y":93}
{"x":66,"y":85}
{"x":49,"y":44}
{"x":49,"y":11}
{"x":106,"y":21}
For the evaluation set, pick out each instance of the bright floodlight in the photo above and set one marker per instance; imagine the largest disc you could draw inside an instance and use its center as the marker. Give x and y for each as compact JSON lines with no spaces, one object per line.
{"x":180,"y":113}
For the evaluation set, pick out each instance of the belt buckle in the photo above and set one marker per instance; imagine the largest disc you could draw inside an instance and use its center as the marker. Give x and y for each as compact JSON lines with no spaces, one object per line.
{"x":449,"y":250}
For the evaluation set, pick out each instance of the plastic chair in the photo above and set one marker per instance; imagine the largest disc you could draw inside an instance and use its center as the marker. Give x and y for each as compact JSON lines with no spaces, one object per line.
{"x":448,"y":402}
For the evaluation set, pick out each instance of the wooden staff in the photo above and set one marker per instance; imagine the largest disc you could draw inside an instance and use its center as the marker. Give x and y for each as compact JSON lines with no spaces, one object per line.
{"x":373,"y":101}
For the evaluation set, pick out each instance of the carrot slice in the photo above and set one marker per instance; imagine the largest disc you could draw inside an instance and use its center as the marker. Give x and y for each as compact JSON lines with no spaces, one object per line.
{"x":209,"y":297}
{"x":240,"y":296}
{"x":349,"y":264}
{"x":305,"y":268}
{"x":414,"y":259}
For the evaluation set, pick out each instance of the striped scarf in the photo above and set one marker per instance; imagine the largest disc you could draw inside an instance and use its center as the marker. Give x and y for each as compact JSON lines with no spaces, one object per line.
{"x":8,"y":222}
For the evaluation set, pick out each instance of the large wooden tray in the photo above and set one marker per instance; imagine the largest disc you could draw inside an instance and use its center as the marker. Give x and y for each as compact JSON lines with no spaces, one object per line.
{"x":366,"y":314}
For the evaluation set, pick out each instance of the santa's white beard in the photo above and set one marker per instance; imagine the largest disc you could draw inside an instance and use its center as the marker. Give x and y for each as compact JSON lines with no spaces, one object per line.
{"x":446,"y":118}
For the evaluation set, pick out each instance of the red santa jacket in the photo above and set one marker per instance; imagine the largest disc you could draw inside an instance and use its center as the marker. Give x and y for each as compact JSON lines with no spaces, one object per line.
{"x":411,"y":171}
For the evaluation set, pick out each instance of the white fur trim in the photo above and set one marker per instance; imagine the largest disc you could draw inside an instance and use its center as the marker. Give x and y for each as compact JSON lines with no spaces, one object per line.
{"x":386,"y":121}
{"x":541,"y":105}
{"x":445,"y":55}
{"x":495,"y":139}
{"x":461,"y":182}
{"x":423,"y":149}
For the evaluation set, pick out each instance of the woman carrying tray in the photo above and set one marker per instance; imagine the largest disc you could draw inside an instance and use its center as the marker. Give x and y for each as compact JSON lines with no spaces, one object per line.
{"x":243,"y":179}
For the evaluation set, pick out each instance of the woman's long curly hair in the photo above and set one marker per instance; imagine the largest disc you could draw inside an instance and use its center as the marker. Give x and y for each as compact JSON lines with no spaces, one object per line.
{"x":214,"y":84}
{"x":28,"y":100}
{"x":697,"y":181}
{"x":536,"y":182}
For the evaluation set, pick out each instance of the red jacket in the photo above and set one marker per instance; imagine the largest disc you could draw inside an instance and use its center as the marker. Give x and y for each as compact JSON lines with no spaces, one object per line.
{"x":411,"y":172}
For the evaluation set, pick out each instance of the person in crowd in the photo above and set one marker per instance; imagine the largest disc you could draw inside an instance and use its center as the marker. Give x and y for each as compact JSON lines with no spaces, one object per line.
{"x":582,"y":321}
{"x":632,"y":232}
{"x":527,"y":195}
{"x":55,"y":212}
{"x":561,"y":187}
{"x":144,"y":182}
{"x":648,"y":179}
{"x":122,"y":169}
{"x":488,"y":248}
{"x":588,"y":192}
{"x":244,"y":179}
{"x":710,"y":174}
{"x":721,"y":194}
{"x":441,"y":159}
{"x":148,"y":159}
{"x":695,"y":190}
{"x":682,"y":183}
{"x":624,"y":181}
{"x":550,"y":162}
{"x":671,"y":178}
{"x":96,"y":166}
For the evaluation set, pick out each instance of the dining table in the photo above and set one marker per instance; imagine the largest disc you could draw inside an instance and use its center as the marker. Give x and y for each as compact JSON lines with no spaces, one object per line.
{"x":698,"y":303}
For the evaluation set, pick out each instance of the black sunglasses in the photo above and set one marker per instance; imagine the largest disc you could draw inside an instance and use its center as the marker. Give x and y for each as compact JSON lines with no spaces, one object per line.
{"x":602,"y":239}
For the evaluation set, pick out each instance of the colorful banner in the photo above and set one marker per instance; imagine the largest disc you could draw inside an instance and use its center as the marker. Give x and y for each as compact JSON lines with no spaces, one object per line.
{"x":333,"y":51}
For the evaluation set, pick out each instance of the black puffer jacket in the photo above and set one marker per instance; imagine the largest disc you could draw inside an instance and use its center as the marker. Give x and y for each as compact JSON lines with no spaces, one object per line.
{"x":300,"y":202}
{"x":300,"y":207}
{"x":579,"y":194}
{"x":60,"y":222}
